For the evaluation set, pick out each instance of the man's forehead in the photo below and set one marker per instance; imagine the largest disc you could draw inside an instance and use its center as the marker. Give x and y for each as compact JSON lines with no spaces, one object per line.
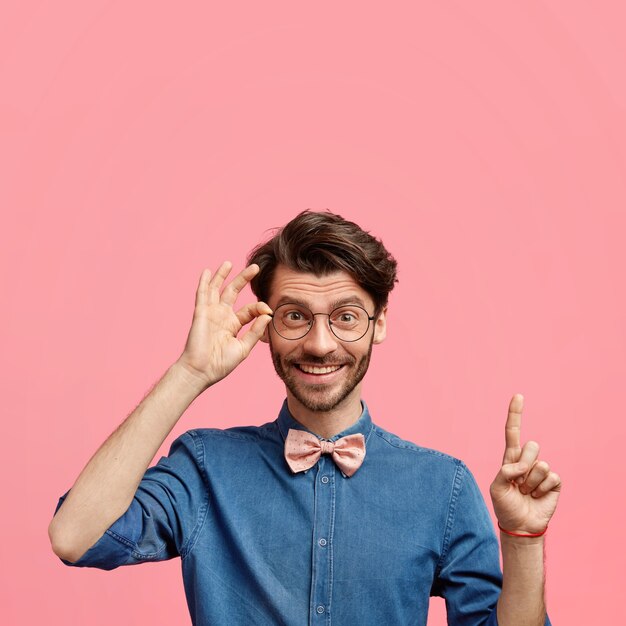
{"x":305,"y":287}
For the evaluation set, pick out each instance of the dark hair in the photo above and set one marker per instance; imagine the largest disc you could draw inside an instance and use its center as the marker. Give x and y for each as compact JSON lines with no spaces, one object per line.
{"x":323,"y":243}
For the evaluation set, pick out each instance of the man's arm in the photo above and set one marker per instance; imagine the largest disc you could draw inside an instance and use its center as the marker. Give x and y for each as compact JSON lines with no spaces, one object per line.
{"x":524,"y":495}
{"x":522,"y":599}
{"x":105,"y":488}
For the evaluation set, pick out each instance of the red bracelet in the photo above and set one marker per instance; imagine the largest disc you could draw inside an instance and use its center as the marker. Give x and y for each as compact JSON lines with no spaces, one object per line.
{"x":508,"y":532}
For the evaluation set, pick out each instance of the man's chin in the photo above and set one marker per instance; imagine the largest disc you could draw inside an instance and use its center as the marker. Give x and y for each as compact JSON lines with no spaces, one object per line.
{"x":318,"y":398}
{"x":317,"y":406}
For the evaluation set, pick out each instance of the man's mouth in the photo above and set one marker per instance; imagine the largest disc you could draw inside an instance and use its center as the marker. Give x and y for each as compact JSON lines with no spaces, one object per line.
{"x":317,"y":369}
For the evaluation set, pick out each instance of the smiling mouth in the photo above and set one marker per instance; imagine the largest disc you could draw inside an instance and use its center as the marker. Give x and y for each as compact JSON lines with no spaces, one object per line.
{"x":316,"y":369}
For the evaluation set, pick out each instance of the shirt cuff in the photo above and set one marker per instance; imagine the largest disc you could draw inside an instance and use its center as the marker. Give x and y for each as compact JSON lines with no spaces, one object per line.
{"x":109,"y":552}
{"x":493,"y":619}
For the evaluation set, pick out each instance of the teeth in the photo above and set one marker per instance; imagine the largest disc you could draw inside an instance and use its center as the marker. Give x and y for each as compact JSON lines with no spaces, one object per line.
{"x":309,"y":369}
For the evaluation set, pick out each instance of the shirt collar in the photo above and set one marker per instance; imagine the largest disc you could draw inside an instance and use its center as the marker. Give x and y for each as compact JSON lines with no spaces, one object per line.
{"x":363,"y":425}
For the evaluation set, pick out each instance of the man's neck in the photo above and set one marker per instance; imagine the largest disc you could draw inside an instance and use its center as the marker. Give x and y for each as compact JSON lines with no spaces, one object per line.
{"x":327,"y":424}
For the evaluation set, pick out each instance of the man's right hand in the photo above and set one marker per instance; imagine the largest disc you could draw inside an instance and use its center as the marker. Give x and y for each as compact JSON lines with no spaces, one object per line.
{"x":213,"y":349}
{"x":105,"y":488}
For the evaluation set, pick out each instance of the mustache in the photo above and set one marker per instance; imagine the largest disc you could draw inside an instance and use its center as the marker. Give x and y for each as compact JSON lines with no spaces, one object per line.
{"x":311,"y":359}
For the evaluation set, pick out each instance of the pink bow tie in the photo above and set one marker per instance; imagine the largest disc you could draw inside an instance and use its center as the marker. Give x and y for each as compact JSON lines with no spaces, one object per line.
{"x":303,"y":450}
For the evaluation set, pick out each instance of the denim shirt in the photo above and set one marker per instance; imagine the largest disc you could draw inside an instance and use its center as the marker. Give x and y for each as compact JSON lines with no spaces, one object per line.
{"x":261,"y":545}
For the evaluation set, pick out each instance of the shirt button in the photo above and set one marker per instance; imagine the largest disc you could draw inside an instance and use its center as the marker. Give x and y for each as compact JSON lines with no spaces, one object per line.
{"x":322,"y":542}
{"x":320,"y":609}
{"x":325,"y":479}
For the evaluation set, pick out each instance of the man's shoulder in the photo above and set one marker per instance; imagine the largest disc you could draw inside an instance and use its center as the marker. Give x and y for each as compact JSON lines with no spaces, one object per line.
{"x":250,"y":433}
{"x":412,"y":449}
{"x":214,"y":446}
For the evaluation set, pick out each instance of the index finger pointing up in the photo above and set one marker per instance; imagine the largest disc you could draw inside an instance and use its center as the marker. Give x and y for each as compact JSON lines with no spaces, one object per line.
{"x":512,"y":430}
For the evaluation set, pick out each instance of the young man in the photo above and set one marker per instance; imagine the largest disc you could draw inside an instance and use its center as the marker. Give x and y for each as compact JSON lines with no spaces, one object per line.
{"x":319,"y":517}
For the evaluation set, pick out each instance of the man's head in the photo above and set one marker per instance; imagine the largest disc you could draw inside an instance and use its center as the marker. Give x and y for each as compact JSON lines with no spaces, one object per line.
{"x":322,"y":243}
{"x":317,"y":266}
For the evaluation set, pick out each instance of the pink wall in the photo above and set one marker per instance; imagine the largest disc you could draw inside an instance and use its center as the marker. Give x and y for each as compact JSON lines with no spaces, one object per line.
{"x":484,"y":142}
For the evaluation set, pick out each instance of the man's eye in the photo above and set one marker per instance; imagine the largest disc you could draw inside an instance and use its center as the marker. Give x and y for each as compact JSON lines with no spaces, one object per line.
{"x":346,"y":318}
{"x":294,"y":318}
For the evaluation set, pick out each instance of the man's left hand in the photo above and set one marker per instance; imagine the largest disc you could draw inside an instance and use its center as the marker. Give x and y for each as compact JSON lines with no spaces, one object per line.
{"x":525,"y":491}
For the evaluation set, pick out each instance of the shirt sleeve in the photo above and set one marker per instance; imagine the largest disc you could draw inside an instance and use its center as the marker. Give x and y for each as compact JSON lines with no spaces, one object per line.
{"x":163,"y":519}
{"x":469,"y":576}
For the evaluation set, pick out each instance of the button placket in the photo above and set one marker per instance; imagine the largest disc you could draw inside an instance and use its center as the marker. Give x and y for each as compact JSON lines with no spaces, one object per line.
{"x":324,"y":512}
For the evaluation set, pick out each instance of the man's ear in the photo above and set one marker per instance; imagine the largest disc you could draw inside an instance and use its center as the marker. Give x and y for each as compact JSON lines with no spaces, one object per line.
{"x":380,"y":327}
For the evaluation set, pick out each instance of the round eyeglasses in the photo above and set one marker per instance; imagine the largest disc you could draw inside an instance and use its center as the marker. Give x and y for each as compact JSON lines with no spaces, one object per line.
{"x":348,"y":323}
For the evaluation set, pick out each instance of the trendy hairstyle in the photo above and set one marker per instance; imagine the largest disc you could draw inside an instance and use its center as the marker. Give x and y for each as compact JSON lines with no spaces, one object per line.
{"x":323,"y":243}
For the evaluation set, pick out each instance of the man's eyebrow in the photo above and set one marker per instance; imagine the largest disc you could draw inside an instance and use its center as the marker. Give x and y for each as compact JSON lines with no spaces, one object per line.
{"x":348,"y":300}
{"x":290,"y":300}
{"x":334,"y":305}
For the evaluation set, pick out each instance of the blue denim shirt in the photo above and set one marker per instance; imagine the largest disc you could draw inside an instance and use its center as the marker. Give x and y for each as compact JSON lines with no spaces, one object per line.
{"x":260,"y":545}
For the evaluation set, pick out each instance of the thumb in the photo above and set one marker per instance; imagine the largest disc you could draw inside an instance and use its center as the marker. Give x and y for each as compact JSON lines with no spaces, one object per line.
{"x":255,"y":332}
{"x":509,"y":472}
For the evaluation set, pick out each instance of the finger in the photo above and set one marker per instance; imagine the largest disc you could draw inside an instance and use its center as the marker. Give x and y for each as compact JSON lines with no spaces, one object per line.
{"x":230,"y":293}
{"x":202,"y":294}
{"x":512,"y":430}
{"x":529,"y":455}
{"x":509,"y":473}
{"x":536,"y":476}
{"x":255,"y":332}
{"x":248,"y":312}
{"x":552,"y":482}
{"x":218,"y":279}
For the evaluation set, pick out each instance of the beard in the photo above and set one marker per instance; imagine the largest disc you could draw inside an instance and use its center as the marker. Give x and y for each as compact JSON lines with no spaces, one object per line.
{"x":322,"y":397}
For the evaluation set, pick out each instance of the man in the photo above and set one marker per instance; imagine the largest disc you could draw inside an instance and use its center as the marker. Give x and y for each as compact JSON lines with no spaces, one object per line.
{"x":320,"y":516}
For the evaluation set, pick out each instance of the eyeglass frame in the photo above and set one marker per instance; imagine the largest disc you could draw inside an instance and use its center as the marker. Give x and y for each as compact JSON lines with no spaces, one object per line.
{"x":370,"y":318}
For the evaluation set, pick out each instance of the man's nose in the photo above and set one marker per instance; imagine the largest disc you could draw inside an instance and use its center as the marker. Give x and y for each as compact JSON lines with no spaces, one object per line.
{"x":320,"y":339}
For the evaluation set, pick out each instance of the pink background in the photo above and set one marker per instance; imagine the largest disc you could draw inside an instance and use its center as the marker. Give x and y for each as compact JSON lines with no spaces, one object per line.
{"x":484,"y":142}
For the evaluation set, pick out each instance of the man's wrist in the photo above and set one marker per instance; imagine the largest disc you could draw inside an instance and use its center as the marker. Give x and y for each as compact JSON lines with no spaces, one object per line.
{"x":522,"y":533}
{"x":193,"y":382}
{"x":512,"y":540}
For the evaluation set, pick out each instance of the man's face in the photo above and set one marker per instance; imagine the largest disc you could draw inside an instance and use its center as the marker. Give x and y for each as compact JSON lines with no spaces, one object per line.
{"x":320,"y":371}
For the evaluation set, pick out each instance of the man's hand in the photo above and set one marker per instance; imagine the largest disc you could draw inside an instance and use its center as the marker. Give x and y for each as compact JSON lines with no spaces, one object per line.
{"x":213,"y":349}
{"x":525,"y":491}
{"x":105,"y":488}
